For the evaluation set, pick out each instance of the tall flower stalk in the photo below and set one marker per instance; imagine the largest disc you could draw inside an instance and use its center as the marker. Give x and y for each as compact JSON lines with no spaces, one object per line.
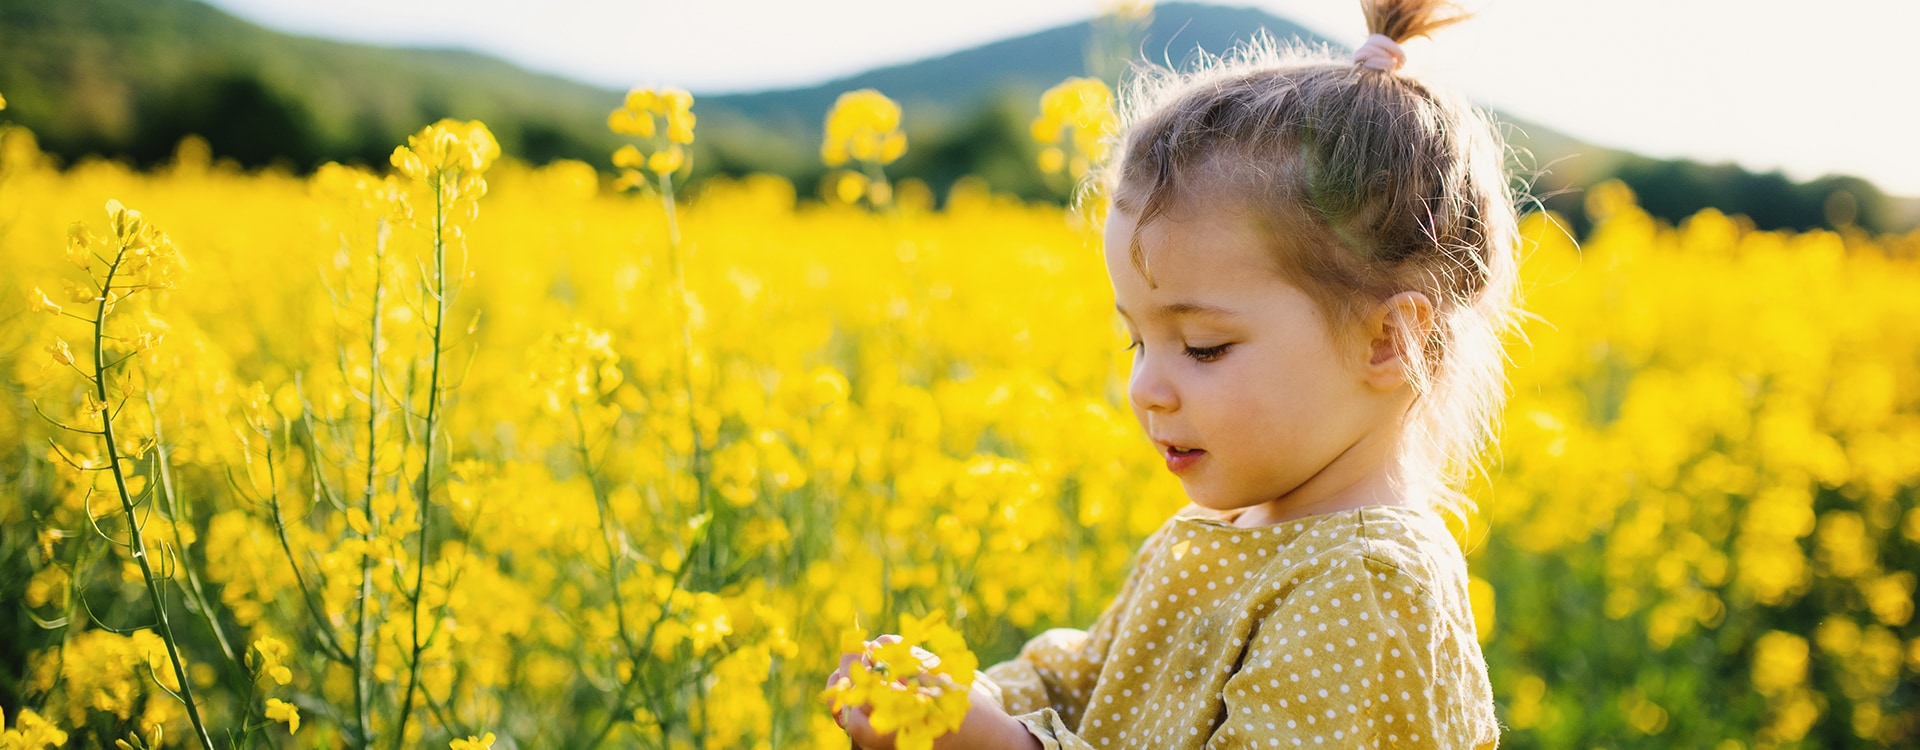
{"x":372,"y":204}
{"x":1075,"y":129}
{"x":862,"y":137}
{"x":662,"y":121}
{"x":450,"y":159}
{"x":139,"y":259}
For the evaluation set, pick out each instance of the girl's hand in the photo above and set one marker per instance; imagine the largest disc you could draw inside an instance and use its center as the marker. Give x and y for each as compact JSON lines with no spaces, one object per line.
{"x":987,"y":726}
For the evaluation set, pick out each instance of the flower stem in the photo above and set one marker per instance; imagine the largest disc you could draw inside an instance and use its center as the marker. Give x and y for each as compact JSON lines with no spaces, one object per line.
{"x":134,"y":536}
{"x":423,"y":488}
{"x":362,"y":654}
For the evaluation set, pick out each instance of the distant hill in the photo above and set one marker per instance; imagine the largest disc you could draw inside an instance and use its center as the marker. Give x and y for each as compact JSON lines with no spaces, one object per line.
{"x":966,"y":80}
{"x":129,"y":78}
{"x":966,"y":112}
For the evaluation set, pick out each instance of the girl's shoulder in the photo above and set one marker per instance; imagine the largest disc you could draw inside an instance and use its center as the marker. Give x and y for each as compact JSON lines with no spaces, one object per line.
{"x":1410,"y":546}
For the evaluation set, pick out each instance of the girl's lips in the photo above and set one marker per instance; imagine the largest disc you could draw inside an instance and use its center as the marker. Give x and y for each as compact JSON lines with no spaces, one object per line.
{"x":1178,"y":462}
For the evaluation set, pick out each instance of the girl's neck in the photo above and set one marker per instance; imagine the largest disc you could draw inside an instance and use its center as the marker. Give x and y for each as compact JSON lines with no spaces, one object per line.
{"x":1370,"y":473}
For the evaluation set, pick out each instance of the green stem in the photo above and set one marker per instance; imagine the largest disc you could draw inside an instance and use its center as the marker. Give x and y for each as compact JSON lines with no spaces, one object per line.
{"x":646,"y":645}
{"x":134,"y":535}
{"x":877,"y":176}
{"x":686,"y":353}
{"x":607,"y":533}
{"x":193,"y":589}
{"x":362,"y":654}
{"x":424,"y":487}
{"x":328,"y":639}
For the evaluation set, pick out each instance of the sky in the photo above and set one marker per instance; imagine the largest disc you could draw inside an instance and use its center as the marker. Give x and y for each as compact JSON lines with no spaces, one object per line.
{"x":1809,"y":88}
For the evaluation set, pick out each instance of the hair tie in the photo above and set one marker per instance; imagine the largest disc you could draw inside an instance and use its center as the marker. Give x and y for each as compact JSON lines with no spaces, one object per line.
{"x":1380,"y":52}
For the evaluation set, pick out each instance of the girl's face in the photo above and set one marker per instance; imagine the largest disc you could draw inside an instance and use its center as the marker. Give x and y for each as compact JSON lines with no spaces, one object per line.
{"x":1237,"y":379}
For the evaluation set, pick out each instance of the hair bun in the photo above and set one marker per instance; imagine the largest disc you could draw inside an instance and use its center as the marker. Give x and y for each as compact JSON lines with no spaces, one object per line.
{"x":1380,"y":52}
{"x":1400,"y":20}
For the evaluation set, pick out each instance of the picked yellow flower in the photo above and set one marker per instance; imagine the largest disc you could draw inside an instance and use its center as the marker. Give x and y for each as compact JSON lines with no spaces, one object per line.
{"x":915,"y":686}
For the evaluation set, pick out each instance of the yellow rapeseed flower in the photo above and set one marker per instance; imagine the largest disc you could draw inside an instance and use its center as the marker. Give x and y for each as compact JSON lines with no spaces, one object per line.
{"x":667,"y":161}
{"x":482,"y":742}
{"x":62,"y":354}
{"x":272,"y":653}
{"x":629,"y":157}
{"x":1079,"y":112}
{"x":30,"y":732}
{"x":627,"y":121}
{"x":864,"y":125}
{"x":447,"y":147}
{"x":38,"y":302}
{"x":915,"y":686}
{"x":79,"y":246}
{"x":153,"y":741}
{"x":1779,"y":662}
{"x":849,"y":186}
{"x":1480,"y":599}
{"x":282,"y":711}
{"x":664,"y":119}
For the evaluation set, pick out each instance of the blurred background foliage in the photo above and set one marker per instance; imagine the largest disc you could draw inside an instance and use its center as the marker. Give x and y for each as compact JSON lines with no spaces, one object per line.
{"x":127,"y":79}
{"x":1701,"y":530}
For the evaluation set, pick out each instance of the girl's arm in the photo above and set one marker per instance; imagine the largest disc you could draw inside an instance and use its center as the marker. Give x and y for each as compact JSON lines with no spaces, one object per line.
{"x":1046,"y":687}
{"x":1057,"y":669}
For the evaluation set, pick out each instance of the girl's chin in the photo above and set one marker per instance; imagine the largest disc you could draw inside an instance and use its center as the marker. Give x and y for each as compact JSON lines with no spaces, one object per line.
{"x":1225,"y":507}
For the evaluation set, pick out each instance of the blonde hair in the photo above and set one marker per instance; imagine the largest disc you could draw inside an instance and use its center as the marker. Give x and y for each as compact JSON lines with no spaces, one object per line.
{"x":1369,"y":183}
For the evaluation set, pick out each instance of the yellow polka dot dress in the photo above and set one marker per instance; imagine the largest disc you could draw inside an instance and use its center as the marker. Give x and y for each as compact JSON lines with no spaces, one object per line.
{"x":1349,"y":629}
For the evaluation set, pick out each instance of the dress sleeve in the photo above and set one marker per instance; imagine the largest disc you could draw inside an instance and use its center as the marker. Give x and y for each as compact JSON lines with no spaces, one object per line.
{"x":1056,"y":669}
{"x":1047,"y":686}
{"x":1361,"y":655}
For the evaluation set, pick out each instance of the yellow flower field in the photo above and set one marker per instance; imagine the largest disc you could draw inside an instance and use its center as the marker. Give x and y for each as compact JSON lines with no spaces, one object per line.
{"x":486,"y":455}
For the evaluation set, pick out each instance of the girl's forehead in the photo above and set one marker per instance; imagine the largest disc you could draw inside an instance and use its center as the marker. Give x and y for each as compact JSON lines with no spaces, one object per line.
{"x":1206,"y":247}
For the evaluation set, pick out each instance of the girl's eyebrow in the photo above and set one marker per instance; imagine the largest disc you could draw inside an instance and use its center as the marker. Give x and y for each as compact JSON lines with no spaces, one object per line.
{"x":1180,"y":309}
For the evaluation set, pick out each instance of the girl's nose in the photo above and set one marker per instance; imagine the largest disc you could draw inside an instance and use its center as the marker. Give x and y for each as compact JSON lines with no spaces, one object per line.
{"x":1149,"y":389}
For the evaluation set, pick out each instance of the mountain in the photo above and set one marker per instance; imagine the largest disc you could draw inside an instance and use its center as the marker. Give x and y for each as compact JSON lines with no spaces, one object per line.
{"x":966,"y":80}
{"x":129,"y":78}
{"x":966,"y":112}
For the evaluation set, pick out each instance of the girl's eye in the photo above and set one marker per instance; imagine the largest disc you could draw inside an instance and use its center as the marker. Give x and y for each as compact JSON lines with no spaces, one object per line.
{"x":1207,"y":353}
{"x":1131,"y":347}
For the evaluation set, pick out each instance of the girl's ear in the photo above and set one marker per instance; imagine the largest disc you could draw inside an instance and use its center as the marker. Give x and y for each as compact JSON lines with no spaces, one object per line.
{"x":1395,"y":331}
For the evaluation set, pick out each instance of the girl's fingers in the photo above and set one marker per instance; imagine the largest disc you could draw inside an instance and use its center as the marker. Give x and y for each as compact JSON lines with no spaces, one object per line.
{"x":862,"y":733}
{"x":841,"y":671}
{"x":839,"y":717}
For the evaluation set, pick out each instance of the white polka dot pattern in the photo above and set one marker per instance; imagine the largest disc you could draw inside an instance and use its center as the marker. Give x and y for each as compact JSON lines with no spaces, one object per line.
{"x":1349,"y":629}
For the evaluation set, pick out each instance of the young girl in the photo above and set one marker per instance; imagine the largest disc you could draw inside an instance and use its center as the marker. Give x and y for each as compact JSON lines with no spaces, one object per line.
{"x":1315,"y":260}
